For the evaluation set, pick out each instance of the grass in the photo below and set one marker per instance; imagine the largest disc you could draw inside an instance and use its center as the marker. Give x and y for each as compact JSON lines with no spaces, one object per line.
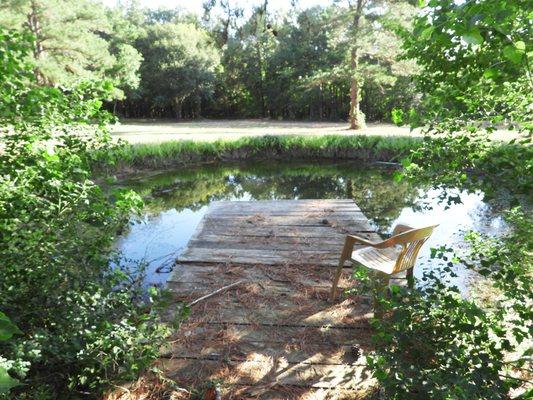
{"x":178,"y":153}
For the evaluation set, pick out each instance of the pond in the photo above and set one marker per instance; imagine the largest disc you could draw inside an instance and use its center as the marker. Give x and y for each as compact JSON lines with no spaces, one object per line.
{"x":175,"y":202}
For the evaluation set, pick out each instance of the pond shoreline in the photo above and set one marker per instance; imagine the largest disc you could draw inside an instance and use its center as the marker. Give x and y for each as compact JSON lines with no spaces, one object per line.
{"x":167,"y":155}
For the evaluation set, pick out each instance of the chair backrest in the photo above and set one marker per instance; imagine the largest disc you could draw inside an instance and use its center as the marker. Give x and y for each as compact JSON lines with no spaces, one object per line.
{"x":411,"y":242}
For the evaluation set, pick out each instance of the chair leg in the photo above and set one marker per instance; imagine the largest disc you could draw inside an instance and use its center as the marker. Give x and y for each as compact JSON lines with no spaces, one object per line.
{"x":338,"y":273}
{"x":410,"y":277}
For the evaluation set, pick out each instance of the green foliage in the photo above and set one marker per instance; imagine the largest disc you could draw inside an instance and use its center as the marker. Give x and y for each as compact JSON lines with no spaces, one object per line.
{"x":83,"y":322}
{"x":475,"y":59}
{"x":501,"y":170}
{"x":165,"y":154}
{"x":475,"y":75}
{"x":179,"y":65}
{"x":266,"y":65}
{"x":165,"y":63}
{"x":7,"y":330}
{"x":397,"y":116}
{"x":433,"y":344}
{"x":74,"y":40}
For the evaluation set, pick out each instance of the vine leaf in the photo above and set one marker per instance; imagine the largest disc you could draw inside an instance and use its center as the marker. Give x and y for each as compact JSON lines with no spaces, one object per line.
{"x":7,"y":328}
{"x":473,"y":37}
{"x":513,"y":53}
{"x":6,"y":382}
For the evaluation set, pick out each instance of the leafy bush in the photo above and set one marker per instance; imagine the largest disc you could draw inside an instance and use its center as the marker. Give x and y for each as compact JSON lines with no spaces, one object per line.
{"x":432,"y":343}
{"x":397,"y":116}
{"x":83,"y":324}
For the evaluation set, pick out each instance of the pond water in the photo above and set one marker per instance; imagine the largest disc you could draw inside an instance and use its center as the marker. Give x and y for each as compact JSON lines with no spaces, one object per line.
{"x":175,"y":202}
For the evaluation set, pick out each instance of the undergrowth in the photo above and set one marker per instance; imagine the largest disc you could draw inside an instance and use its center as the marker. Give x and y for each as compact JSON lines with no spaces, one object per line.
{"x":175,"y":153}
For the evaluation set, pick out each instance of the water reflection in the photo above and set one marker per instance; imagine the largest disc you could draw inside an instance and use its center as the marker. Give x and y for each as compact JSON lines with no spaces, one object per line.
{"x":177,"y":200}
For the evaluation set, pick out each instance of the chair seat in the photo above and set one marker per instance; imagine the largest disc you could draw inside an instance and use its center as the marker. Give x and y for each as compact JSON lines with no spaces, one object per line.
{"x":382,"y":260}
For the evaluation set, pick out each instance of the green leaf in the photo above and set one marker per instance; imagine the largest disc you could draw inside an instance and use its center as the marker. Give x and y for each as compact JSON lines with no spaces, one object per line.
{"x":426,"y":33}
{"x":513,"y":54}
{"x":7,"y":382}
{"x":7,"y":328}
{"x":473,"y":37}
{"x":520,"y":46}
{"x":490,"y":73}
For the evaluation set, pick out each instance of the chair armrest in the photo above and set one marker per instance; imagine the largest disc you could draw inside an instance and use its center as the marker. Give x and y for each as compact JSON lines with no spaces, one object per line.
{"x":401,"y":228}
{"x":351,"y":239}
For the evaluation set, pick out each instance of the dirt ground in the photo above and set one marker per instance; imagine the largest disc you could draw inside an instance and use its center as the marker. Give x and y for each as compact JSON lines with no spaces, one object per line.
{"x":153,"y":131}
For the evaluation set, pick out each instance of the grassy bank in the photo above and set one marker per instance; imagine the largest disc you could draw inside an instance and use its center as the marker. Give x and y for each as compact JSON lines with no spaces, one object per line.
{"x":178,"y":153}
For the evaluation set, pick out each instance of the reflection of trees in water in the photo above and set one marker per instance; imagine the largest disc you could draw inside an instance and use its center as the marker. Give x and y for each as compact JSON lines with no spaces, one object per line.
{"x":373,"y":189}
{"x":380,"y":197}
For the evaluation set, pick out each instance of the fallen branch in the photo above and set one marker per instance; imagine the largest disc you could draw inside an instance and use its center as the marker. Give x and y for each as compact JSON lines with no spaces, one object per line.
{"x":218,"y":291}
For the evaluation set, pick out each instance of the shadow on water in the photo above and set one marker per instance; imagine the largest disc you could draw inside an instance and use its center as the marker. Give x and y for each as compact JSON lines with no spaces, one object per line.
{"x":175,"y":202}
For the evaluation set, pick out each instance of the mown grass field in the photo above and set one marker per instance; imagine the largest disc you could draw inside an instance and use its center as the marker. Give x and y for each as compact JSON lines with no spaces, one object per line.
{"x":155,"y":131}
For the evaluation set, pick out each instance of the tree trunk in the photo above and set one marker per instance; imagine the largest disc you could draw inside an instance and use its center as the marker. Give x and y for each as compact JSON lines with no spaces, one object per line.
{"x":355,"y":120}
{"x":320,"y":103}
{"x":261,"y":86}
{"x":34,"y":26}
{"x":178,"y":106}
{"x":198,"y":107}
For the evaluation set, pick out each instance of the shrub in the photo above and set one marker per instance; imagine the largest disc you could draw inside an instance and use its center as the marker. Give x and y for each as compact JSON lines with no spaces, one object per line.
{"x":82,"y":323}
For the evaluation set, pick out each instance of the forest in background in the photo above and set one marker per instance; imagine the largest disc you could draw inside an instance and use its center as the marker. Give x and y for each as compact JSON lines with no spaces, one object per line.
{"x":323,"y":63}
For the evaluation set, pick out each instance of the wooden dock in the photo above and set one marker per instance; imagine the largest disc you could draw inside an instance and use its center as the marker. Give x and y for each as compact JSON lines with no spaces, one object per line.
{"x":274,"y":335}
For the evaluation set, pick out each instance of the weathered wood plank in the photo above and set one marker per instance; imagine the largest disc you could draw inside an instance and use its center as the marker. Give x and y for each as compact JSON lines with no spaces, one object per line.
{"x":281,"y":204}
{"x":277,"y":306}
{"x":263,"y":369}
{"x":281,"y":230}
{"x":223,"y":274}
{"x":334,"y":238}
{"x":192,"y":333}
{"x":285,"y":220}
{"x":295,"y":344}
{"x":265,"y":257}
{"x":193,"y":279}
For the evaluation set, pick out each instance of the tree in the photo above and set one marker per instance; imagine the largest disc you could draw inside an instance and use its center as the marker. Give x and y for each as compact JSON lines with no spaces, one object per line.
{"x":222,"y":25}
{"x":373,"y":44}
{"x":356,"y":120}
{"x":180,"y":64}
{"x":72,"y":42}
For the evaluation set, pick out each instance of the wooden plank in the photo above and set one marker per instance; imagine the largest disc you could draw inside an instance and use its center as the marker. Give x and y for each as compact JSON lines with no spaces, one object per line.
{"x":280,"y":230}
{"x":251,"y":256}
{"x":223,"y":274}
{"x":294,"y":344}
{"x":280,"y":307}
{"x":325,"y":213}
{"x":290,"y":392}
{"x":283,"y":204}
{"x":284,"y":220}
{"x":333,"y":242}
{"x":293,"y":353}
{"x":274,"y":241}
{"x":191,"y":333}
{"x":262,"y":369}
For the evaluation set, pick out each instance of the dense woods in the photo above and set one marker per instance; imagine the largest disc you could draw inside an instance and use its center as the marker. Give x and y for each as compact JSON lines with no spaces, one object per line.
{"x":324,"y":63}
